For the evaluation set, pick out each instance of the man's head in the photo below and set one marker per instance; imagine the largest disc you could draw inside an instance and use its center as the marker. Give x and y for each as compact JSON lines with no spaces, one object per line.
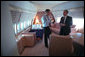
{"x":47,"y":11}
{"x":65,"y":12}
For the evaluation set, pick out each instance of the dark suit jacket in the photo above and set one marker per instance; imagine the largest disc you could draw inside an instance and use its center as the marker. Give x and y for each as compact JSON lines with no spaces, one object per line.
{"x":68,"y":23}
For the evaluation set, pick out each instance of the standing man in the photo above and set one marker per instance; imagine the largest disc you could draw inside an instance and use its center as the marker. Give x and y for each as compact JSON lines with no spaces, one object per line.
{"x":65,"y":23}
{"x":46,"y":21}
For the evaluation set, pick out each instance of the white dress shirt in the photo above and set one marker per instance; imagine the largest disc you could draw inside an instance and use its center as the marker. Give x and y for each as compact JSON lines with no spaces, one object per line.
{"x":45,"y":20}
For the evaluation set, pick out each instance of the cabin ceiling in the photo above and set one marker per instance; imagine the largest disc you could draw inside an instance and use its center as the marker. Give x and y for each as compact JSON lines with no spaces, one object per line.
{"x":42,"y":5}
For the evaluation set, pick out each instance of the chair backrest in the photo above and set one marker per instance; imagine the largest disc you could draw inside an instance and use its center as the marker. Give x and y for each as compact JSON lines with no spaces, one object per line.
{"x":60,"y":45}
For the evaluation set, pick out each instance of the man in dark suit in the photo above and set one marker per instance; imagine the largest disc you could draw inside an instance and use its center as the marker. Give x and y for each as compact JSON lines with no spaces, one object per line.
{"x":65,"y":23}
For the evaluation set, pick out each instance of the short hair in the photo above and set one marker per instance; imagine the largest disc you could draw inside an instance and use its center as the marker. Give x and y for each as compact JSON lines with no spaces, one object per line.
{"x":66,"y":11}
{"x":47,"y":10}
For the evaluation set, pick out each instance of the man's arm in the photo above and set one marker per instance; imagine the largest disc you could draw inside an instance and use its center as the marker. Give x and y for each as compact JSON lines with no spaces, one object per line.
{"x":61,"y":20}
{"x":69,"y":22}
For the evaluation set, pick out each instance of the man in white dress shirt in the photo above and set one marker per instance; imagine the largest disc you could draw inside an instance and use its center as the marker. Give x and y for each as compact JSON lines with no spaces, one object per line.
{"x":46,"y":21}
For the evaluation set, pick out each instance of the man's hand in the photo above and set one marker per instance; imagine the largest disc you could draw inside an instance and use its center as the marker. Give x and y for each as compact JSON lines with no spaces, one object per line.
{"x":62,"y":24}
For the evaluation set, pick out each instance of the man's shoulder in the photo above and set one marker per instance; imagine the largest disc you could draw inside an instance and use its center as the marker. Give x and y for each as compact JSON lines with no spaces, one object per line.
{"x":66,"y":16}
{"x":44,"y":16}
{"x":69,"y":16}
{"x":62,"y":17}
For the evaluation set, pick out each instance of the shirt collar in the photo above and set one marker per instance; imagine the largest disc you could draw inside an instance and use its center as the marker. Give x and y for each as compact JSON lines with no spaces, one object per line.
{"x":64,"y":16}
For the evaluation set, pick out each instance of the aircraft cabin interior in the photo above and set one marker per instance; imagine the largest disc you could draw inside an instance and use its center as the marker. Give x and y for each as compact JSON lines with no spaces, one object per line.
{"x":42,"y":28}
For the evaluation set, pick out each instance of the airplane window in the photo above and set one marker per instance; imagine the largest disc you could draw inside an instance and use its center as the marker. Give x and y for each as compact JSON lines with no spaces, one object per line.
{"x":22,"y":26}
{"x":79,"y":22}
{"x":25,"y":24}
{"x":21,"y":20}
{"x":15,"y":28}
{"x":18,"y":27}
{"x":29,"y":23}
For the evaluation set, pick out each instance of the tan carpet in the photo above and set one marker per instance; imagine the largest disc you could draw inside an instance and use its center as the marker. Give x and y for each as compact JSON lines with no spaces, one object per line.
{"x":38,"y":50}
